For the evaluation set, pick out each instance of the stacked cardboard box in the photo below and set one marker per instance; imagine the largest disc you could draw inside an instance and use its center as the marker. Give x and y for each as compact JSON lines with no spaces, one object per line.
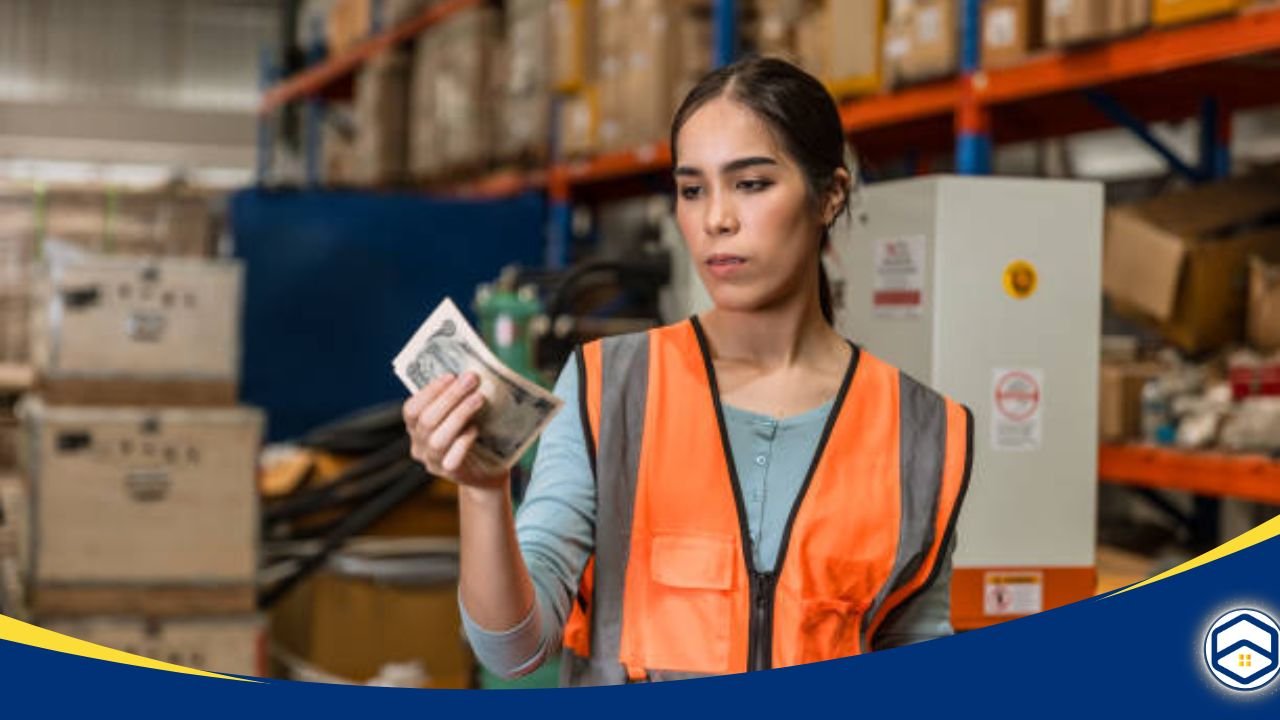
{"x":523,"y":134}
{"x":838,"y":42}
{"x":141,"y":467}
{"x":381,"y":116}
{"x":1071,"y":22}
{"x":651,"y":53}
{"x":1180,"y":260}
{"x":15,"y":546}
{"x":452,"y":97}
{"x":1011,"y":31}
{"x":921,"y":40}
{"x":351,"y":21}
{"x":1172,"y":12}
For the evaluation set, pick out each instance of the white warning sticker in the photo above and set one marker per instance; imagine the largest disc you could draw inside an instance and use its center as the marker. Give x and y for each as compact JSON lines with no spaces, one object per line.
{"x":1017,"y":396}
{"x":898,"y":290}
{"x":1012,"y":593}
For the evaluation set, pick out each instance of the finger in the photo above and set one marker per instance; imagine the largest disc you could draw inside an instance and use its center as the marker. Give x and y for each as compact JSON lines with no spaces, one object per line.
{"x":452,"y":427}
{"x":421,"y":399}
{"x":439,"y":409}
{"x":458,"y":451}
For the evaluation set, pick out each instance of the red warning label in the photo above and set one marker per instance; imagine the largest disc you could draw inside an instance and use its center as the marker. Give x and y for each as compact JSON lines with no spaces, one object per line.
{"x":1017,"y":403}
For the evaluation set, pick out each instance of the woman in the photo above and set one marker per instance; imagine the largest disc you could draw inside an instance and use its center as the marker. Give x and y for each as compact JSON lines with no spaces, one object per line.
{"x":742,"y":490}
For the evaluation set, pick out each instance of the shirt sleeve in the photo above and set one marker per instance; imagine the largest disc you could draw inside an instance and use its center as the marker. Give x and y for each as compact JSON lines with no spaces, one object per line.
{"x":555,"y":527}
{"x":926,"y":616}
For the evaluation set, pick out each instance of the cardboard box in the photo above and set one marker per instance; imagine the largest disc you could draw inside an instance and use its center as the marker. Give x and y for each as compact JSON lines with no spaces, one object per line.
{"x":524,"y":130}
{"x":572,"y":45}
{"x":1263,"y":312}
{"x":921,"y":40}
{"x":166,"y":223}
{"x":125,"y":222}
{"x":425,"y":153}
{"x":579,"y":123}
{"x":1173,"y":12}
{"x":657,"y":72}
{"x":105,"y":318}
{"x":776,"y":30}
{"x":381,"y":120}
{"x":1120,"y":398}
{"x":1071,"y":22}
{"x":1011,"y":31}
{"x":463,"y":101}
{"x":222,"y":644}
{"x":1177,"y":261}
{"x":368,"y":609}
{"x":143,"y":496}
{"x":851,"y":38}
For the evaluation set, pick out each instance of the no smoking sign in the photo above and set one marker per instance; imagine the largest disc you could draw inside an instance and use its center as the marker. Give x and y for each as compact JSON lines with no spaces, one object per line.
{"x":1017,"y":396}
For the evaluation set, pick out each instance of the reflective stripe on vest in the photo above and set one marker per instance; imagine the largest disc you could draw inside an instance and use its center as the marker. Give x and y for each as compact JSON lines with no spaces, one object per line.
{"x":673,"y":591}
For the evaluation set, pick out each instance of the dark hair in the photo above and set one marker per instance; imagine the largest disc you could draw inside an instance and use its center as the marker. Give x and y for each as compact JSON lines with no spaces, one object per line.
{"x":801,"y":114}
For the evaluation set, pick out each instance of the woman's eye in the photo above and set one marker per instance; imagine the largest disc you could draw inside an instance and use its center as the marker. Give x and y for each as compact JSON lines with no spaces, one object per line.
{"x":690,"y":192}
{"x":753,"y":185}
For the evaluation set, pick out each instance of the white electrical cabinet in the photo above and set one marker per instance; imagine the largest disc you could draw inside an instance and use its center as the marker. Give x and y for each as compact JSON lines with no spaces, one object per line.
{"x":988,"y":290}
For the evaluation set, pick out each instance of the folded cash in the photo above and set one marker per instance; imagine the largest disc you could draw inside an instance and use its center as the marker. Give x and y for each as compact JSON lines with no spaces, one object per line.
{"x":516,"y":409}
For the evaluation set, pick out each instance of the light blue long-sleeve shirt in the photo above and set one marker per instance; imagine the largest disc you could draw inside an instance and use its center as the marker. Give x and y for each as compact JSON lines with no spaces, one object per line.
{"x":556,"y":523}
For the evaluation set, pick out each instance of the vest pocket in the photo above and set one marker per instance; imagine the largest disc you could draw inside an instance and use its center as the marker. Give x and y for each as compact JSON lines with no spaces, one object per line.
{"x":829,"y":628}
{"x":691,"y":605}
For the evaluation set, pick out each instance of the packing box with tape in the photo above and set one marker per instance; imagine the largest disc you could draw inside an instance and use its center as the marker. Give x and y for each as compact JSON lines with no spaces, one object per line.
{"x":142,"y":510}
{"x":135,"y":324}
{"x":230,"y":644}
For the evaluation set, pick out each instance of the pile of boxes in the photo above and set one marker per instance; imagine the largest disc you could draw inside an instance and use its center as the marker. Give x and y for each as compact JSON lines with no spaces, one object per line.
{"x":503,"y":85}
{"x":130,"y":512}
{"x":139,"y":465}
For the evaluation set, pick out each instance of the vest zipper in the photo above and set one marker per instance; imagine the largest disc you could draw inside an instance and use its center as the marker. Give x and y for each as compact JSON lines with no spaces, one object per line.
{"x":763,"y":585}
{"x":763,"y":588}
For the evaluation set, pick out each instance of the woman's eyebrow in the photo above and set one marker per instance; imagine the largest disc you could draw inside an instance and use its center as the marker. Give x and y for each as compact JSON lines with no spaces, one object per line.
{"x":744,"y":163}
{"x":730,"y":167}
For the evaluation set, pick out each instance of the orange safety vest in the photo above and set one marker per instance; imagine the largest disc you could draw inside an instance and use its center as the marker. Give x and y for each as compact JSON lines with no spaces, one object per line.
{"x":672,"y":590}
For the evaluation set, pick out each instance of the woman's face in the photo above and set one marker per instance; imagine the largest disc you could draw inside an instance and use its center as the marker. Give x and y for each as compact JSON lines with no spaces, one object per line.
{"x":744,"y":209}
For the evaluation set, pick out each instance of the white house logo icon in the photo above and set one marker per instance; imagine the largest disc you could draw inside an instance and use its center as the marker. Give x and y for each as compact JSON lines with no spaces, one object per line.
{"x":1241,"y":649}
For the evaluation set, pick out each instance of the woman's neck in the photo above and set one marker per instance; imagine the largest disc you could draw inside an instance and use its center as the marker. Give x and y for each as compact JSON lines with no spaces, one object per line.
{"x":775,"y":338}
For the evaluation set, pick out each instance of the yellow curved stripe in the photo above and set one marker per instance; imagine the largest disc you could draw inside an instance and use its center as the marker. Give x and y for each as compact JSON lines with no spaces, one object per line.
{"x":20,"y":632}
{"x":1263,"y":532}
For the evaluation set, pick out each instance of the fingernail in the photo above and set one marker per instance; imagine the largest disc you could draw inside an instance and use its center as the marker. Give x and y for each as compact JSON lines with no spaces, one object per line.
{"x":471,"y":379}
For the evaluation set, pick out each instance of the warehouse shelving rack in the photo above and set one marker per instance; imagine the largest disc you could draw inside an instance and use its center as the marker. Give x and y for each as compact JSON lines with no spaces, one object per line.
{"x":1206,"y":70}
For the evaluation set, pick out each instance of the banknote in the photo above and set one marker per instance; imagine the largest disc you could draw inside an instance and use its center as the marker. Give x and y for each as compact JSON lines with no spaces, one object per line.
{"x":516,"y":409}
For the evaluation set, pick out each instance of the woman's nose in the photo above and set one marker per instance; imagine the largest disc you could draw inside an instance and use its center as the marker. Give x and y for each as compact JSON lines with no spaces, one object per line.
{"x":721,"y":218}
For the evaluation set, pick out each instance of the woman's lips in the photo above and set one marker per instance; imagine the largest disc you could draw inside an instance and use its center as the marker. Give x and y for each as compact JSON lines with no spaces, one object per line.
{"x":722,"y":265}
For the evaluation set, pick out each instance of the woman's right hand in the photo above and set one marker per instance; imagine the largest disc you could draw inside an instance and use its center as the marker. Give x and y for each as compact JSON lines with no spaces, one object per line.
{"x":439,"y":421}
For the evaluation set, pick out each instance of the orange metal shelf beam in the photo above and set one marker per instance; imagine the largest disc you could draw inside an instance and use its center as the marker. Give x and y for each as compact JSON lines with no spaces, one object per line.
{"x":314,"y":80}
{"x":915,"y":103}
{"x":1248,"y":477}
{"x":639,"y":161}
{"x":1155,"y":51}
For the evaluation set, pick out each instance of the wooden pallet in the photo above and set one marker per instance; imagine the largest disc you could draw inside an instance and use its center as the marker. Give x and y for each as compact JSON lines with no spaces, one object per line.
{"x":137,"y":392}
{"x":148,"y":600}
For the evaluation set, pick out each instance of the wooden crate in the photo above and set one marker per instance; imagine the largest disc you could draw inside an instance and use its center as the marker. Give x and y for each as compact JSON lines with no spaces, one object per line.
{"x":134,"y":498}
{"x":107,"y":318}
{"x":224,"y":644}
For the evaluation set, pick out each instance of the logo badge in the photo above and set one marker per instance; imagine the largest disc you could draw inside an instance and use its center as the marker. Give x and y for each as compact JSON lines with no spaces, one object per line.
{"x":1241,"y":649}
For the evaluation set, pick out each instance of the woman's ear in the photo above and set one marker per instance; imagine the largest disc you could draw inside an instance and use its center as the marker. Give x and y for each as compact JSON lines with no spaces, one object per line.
{"x":837,"y":196}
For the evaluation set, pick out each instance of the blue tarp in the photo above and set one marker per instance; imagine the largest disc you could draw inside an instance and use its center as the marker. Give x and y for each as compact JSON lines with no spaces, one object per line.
{"x":337,"y":281}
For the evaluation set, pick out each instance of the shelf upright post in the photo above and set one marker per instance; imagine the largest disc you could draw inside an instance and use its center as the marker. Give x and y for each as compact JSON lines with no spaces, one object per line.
{"x":313,"y":116}
{"x":725,"y":26}
{"x":1215,"y":139}
{"x":267,"y":76}
{"x":560,"y":221}
{"x":973,"y":119}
